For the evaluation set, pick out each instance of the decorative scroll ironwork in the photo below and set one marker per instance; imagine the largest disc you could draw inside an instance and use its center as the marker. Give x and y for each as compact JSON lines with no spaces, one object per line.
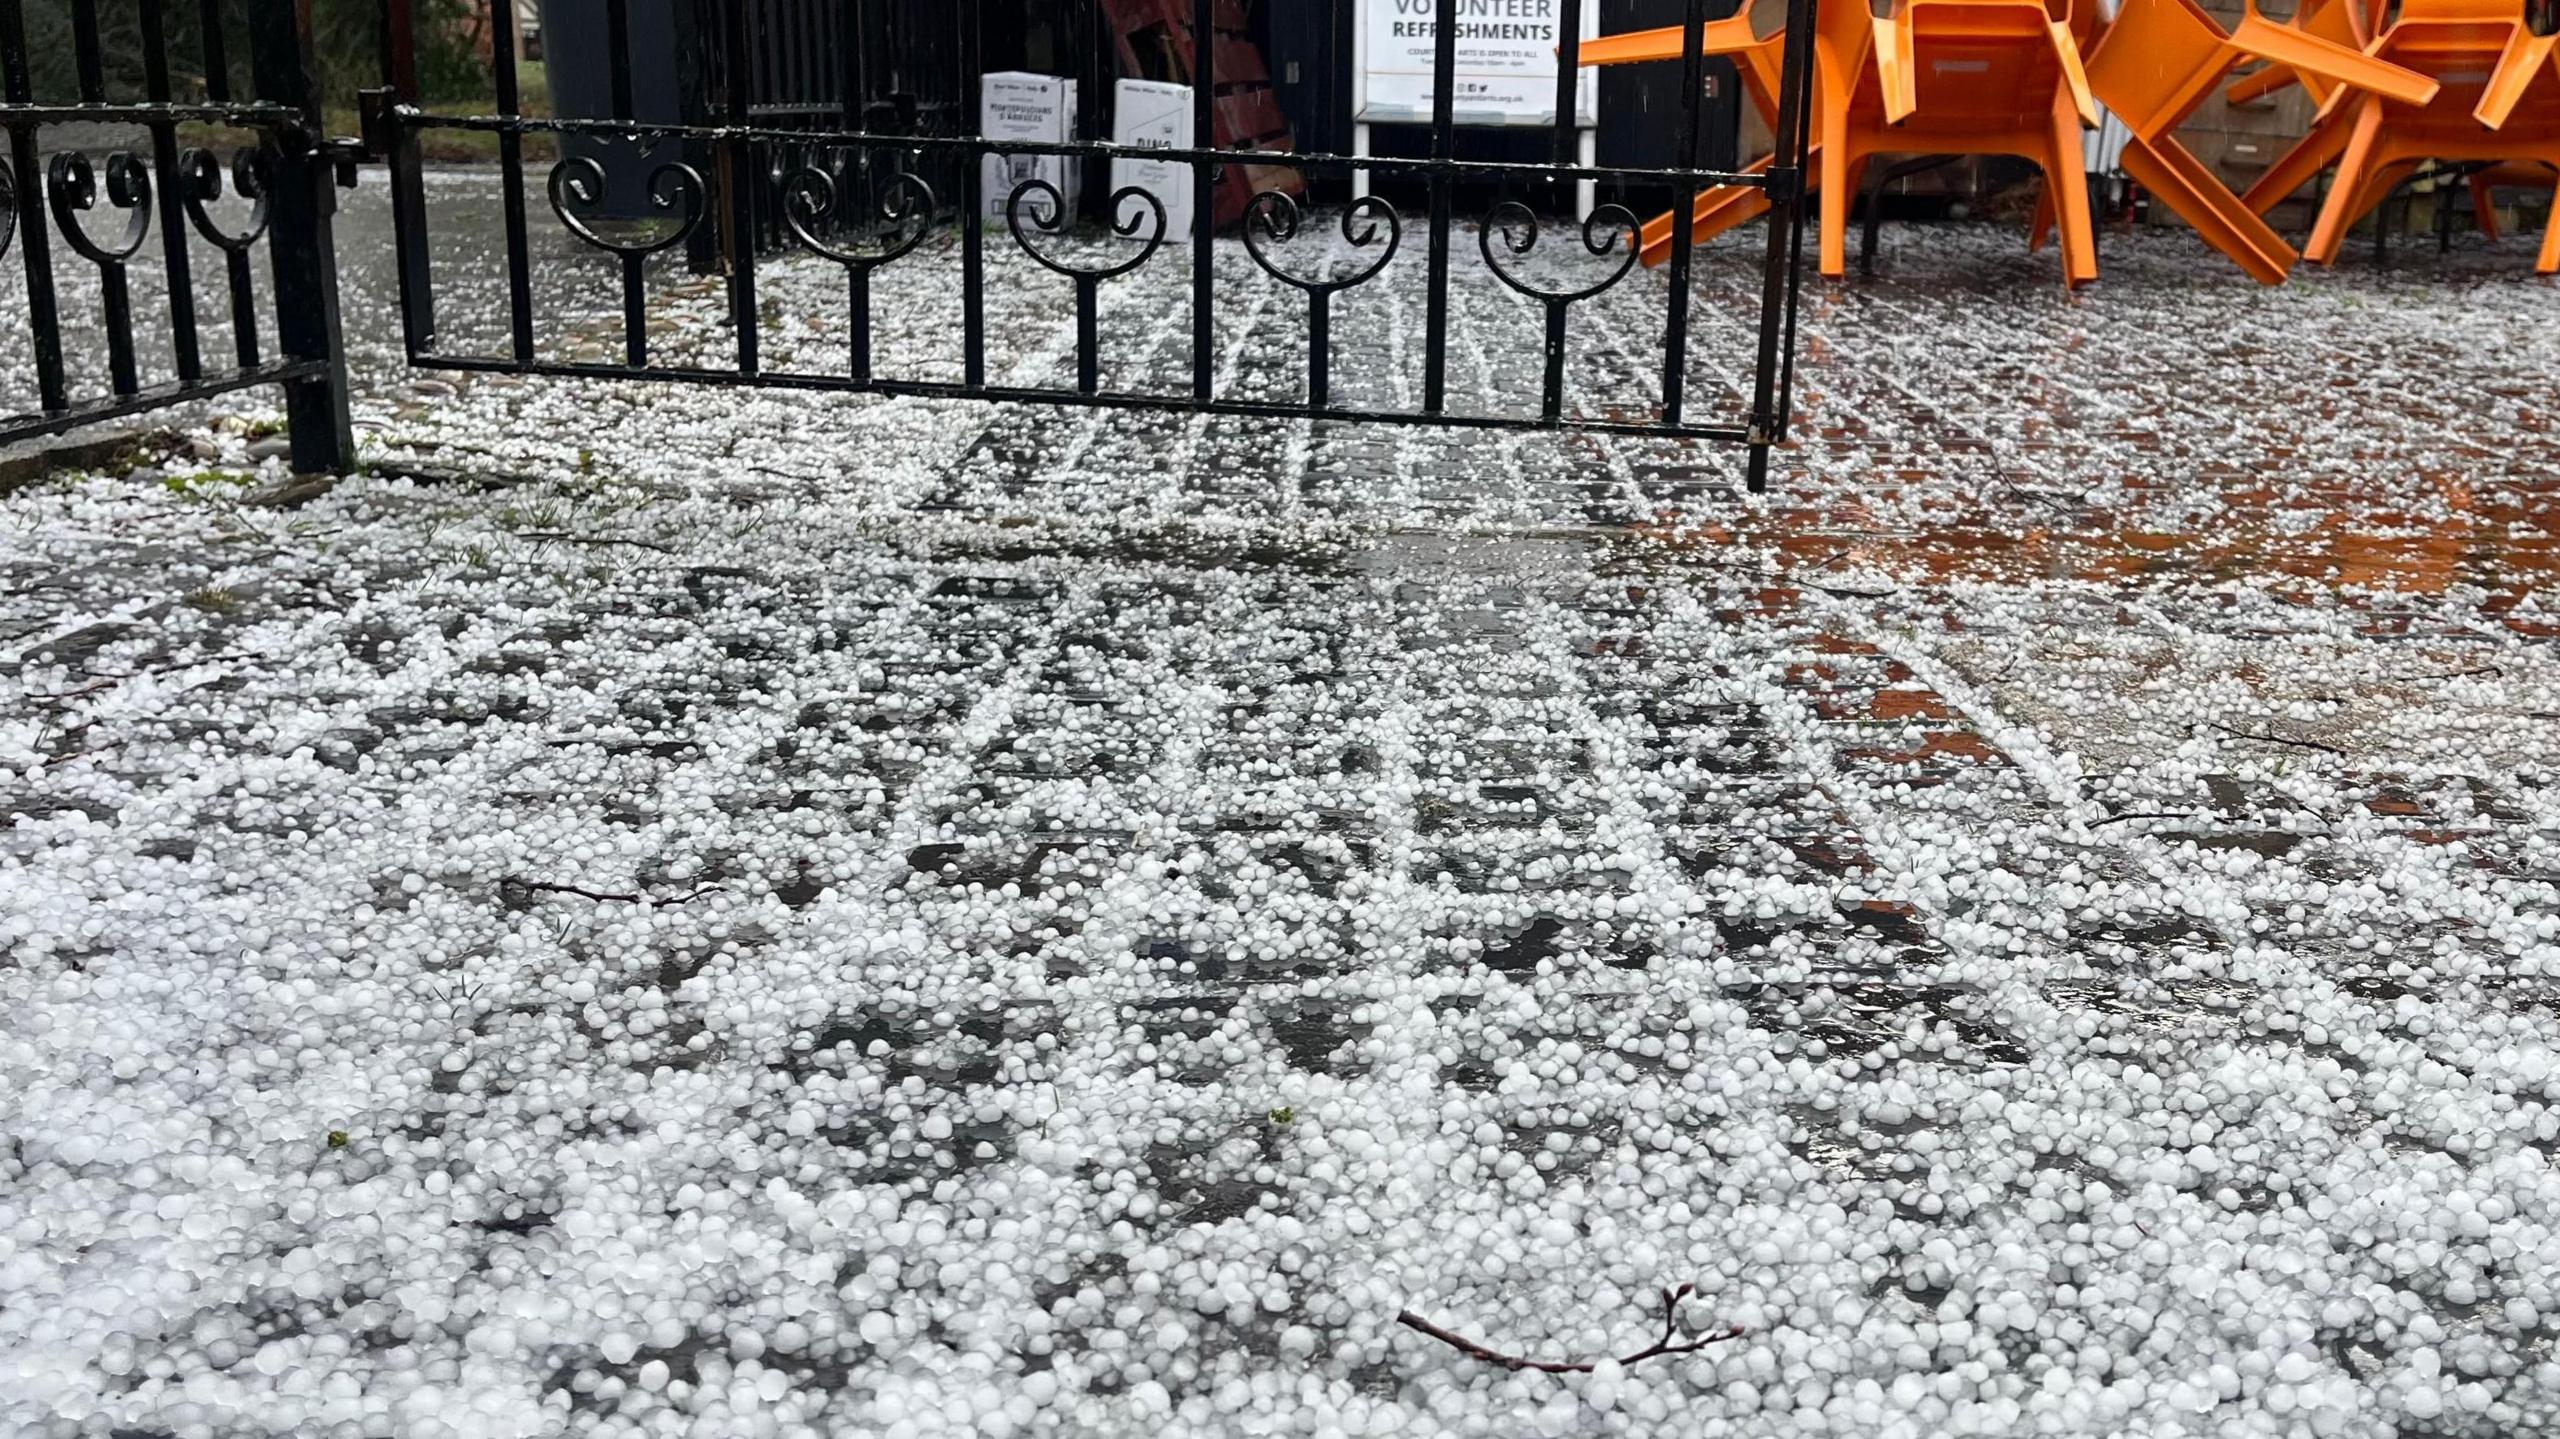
{"x":200,"y":180}
{"x":1520,"y":230}
{"x":1275,"y":217}
{"x":1602,"y":230}
{"x":900,"y":218}
{"x":1052,"y":218}
{"x":578,"y":183}
{"x":790,"y":169}
{"x":199,"y":186}
{"x":71,"y":187}
{"x":69,"y":199}
{"x":744,"y":178}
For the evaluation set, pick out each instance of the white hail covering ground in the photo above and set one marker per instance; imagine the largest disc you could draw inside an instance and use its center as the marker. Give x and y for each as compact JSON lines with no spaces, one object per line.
{"x":784,"y":915}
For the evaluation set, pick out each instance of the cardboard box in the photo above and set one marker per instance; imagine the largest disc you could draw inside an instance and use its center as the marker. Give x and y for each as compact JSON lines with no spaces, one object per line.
{"x":1013,"y":105}
{"x":1155,"y":116}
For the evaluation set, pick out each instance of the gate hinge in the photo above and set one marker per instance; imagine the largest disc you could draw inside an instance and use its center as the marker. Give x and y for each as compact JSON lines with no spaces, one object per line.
{"x":1783,"y":184}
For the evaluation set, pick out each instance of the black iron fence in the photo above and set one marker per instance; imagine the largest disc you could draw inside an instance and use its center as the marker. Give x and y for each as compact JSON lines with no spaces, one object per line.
{"x":820,"y":68}
{"x":802,"y":155}
{"x":284,"y":173}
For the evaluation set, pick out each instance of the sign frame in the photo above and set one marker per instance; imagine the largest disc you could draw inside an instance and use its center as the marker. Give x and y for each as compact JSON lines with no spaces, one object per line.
{"x":1367,"y":109}
{"x":1585,"y":120}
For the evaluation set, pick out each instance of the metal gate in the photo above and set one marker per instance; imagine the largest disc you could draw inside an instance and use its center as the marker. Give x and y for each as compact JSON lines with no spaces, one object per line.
{"x":287,"y":176}
{"x":852,"y":194}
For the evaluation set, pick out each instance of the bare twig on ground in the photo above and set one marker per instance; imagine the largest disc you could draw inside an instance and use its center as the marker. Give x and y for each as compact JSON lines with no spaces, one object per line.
{"x":606,"y":897}
{"x":563,"y":537}
{"x":2277,"y":739}
{"x":2143,"y":814}
{"x":2000,"y":475}
{"x":1837,"y":592}
{"x":2454,"y":675}
{"x":1658,"y":1349}
{"x":2016,"y":658}
{"x":478,"y":479}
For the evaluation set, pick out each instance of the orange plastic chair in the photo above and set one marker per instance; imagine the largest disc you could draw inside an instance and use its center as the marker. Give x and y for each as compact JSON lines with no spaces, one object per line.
{"x":2498,"y":103}
{"x":2484,"y":201}
{"x":1757,"y":58}
{"x":2350,"y":23}
{"x":2160,"y":61}
{"x":1973,"y":77}
{"x":1953,"y":77}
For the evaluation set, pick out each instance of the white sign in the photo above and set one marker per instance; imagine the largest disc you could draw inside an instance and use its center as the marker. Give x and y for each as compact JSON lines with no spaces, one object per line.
{"x":1150,"y":116}
{"x":1506,"y":62}
{"x":1017,"y":106}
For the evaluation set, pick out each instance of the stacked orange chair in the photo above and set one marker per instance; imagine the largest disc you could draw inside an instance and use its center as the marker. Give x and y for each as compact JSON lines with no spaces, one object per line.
{"x":2350,"y":23}
{"x":2162,"y":59}
{"x":1954,"y":77}
{"x":1971,"y":77}
{"x":1756,"y":58}
{"x":2007,"y":77}
{"x":2484,"y":204}
{"x":2497,"y":104}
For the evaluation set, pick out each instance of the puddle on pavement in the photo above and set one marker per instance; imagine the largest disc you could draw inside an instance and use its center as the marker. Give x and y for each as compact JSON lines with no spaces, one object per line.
{"x":2504,"y":539}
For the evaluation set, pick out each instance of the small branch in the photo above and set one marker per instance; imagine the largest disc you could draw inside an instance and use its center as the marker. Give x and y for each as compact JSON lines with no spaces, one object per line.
{"x":2455,"y":675}
{"x":81,"y":693}
{"x":2277,"y":739}
{"x":1837,"y":592}
{"x":2143,"y":814}
{"x":602,"y":897}
{"x":1658,"y":1349}
{"x":565,"y":538}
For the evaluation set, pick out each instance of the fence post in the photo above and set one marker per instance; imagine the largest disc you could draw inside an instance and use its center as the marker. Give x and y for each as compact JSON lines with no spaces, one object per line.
{"x":398,"y":144}
{"x":35,"y":244}
{"x":299,"y":240}
{"x":695,"y":24}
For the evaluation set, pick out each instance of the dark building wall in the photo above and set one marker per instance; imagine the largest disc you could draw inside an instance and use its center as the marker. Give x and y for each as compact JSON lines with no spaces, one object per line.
{"x":573,"y":37}
{"x":913,"y":72}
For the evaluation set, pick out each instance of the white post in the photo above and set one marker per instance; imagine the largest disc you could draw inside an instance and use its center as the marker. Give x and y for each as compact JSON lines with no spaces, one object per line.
{"x":1586,"y":191}
{"x":1360,"y":102}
